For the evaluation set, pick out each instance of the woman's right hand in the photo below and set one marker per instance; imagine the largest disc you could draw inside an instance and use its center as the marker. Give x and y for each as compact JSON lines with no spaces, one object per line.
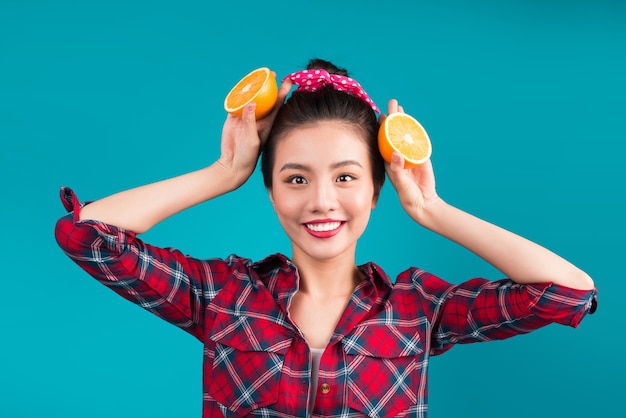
{"x":415,"y":186}
{"x":242,"y":138}
{"x":140,"y":208}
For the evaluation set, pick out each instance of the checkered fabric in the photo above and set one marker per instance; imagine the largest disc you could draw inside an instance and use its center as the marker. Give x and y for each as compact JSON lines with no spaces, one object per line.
{"x":256,"y":361}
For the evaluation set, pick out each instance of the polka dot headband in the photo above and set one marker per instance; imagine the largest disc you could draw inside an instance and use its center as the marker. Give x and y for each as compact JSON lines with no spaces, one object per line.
{"x":312,"y":80}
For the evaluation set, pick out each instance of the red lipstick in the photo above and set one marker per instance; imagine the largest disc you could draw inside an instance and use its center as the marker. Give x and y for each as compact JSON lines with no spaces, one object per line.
{"x":324,"y":228}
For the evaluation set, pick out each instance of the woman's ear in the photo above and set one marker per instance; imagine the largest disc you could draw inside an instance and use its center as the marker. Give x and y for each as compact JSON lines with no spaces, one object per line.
{"x":375,"y":198}
{"x":271,"y":195}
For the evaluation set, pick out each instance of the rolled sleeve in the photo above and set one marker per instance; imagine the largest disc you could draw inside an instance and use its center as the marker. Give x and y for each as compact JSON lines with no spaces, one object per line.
{"x":481,"y":310}
{"x":169,"y":284}
{"x":564,"y":305}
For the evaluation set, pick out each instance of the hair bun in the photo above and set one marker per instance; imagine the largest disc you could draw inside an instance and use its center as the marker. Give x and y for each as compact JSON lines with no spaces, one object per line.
{"x":317,"y":63}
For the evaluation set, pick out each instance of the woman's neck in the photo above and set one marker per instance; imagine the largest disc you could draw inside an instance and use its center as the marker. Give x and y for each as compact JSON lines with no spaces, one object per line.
{"x":325,"y":279}
{"x":325,"y":287}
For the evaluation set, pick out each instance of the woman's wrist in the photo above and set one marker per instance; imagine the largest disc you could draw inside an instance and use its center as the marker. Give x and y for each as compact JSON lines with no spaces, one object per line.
{"x":427,"y":213}
{"x":229,"y":177}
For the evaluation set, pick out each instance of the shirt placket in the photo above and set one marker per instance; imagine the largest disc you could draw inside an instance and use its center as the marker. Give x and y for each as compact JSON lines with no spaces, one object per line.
{"x":332,"y":385}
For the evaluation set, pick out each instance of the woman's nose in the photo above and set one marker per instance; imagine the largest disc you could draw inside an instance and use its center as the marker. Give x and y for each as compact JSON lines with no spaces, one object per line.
{"x":324,"y":198}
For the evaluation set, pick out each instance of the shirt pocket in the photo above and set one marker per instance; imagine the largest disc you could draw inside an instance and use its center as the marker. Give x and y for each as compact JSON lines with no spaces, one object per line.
{"x":385,"y":365}
{"x":249,"y":357}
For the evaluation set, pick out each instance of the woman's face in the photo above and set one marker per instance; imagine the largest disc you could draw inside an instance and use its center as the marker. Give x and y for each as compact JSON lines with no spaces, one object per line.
{"x":322,"y":189}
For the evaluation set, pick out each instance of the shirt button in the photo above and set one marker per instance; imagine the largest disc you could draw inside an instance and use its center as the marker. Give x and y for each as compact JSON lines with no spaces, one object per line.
{"x":325,"y":388}
{"x":594,"y":305}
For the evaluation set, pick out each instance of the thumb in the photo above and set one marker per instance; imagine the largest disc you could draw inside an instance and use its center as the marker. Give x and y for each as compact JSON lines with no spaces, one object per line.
{"x":396,"y":167}
{"x":403,"y":182}
{"x":249,"y":125}
{"x":248,"y":116}
{"x":397,"y":174}
{"x":283,"y":91}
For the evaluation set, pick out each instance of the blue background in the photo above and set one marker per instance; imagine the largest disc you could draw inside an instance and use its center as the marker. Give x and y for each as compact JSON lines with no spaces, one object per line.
{"x":524,"y":102}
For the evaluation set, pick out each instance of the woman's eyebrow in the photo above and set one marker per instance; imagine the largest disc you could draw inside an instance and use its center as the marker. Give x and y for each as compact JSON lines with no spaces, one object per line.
{"x":302,"y":167}
{"x":345,"y":163}
{"x":294,"y":166}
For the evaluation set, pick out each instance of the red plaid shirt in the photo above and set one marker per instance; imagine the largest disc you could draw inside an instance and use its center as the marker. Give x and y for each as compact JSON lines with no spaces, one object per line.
{"x":256,"y":362}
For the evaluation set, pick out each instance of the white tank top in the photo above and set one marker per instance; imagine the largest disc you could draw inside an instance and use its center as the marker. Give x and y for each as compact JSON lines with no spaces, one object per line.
{"x":316,"y":355}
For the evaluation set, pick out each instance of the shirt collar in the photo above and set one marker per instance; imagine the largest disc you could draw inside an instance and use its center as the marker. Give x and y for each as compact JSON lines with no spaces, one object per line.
{"x":281,"y":278}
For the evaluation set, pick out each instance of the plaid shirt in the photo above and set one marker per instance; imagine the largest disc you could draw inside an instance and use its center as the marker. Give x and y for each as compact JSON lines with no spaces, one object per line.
{"x":257,"y":362}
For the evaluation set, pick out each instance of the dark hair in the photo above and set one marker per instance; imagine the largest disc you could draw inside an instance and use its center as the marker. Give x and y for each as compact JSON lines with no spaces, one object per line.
{"x":326,"y":104}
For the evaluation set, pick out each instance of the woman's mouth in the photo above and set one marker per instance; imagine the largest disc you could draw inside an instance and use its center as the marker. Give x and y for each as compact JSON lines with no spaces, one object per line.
{"x":325,"y":229}
{"x":322,"y":227}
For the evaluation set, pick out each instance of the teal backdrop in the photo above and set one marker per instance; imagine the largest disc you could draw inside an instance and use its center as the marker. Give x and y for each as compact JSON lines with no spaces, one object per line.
{"x":524,"y":102}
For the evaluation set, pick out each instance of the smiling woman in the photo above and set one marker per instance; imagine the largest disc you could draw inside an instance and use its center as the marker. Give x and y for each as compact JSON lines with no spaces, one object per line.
{"x":315,"y":201}
{"x":314,"y":334}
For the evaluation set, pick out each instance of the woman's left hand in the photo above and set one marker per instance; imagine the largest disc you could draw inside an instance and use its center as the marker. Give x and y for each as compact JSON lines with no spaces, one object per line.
{"x":415,"y":186}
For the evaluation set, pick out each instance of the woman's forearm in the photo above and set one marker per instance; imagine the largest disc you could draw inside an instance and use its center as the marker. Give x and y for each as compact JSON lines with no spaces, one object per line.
{"x":139,"y":209}
{"x":518,"y":258}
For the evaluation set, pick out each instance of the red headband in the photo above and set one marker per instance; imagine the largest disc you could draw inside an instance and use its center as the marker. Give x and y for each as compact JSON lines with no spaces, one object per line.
{"x":312,"y":80}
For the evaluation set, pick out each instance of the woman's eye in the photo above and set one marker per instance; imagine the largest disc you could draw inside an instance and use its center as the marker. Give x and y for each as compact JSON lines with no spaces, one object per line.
{"x":345,"y":177}
{"x":296,"y":180}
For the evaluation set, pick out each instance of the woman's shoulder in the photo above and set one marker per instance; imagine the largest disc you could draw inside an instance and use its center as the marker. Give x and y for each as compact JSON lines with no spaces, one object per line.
{"x":409,"y":277}
{"x":410,"y":281}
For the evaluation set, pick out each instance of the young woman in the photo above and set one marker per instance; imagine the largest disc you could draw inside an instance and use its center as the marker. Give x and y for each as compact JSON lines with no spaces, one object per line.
{"x":315,"y":334}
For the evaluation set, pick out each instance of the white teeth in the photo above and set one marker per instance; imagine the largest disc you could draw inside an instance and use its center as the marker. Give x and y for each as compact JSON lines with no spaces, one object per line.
{"x":329,"y":226}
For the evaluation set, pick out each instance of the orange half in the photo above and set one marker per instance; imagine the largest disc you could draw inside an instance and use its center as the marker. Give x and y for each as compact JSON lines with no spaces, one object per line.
{"x":260,"y":87}
{"x":402,"y":132}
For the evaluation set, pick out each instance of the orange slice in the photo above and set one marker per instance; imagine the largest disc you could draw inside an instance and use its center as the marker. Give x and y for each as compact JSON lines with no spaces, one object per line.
{"x":260,"y":87}
{"x":402,"y":132}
